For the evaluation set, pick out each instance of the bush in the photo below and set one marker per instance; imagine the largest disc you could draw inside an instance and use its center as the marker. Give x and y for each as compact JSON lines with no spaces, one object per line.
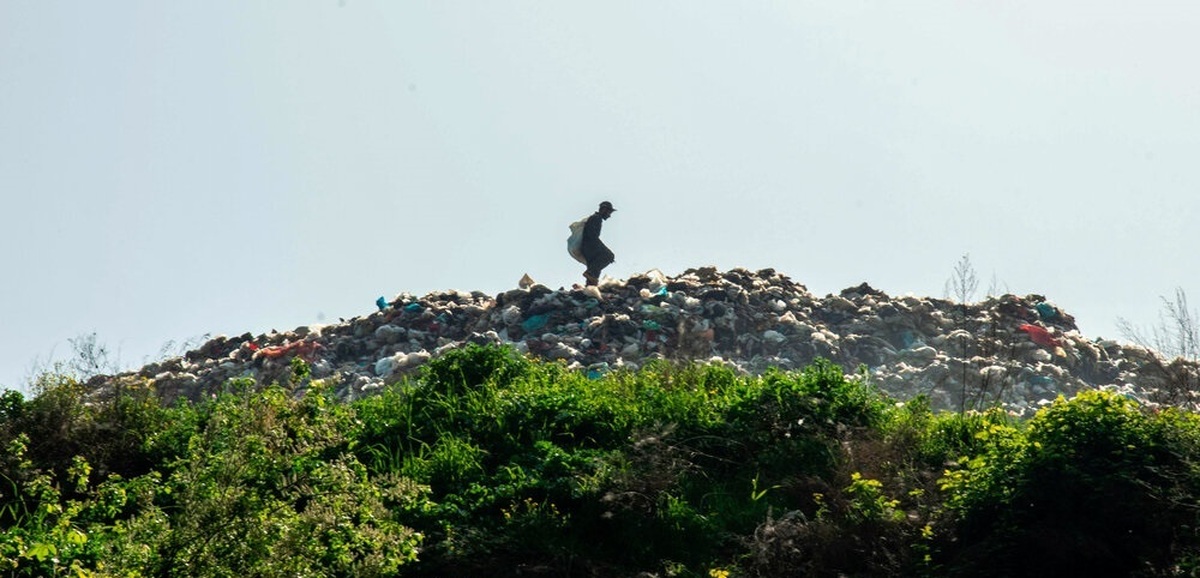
{"x":267,"y":490}
{"x":458,"y":370}
{"x":250,"y":483}
{"x":1094,"y":486}
{"x":498,"y":466}
{"x":857,"y":530}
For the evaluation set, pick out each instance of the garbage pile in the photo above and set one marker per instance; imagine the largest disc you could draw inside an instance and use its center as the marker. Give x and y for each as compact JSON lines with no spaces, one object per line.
{"x":1018,"y":351}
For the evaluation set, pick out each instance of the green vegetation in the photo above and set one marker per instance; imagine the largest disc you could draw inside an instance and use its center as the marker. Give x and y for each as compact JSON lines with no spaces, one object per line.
{"x":489,"y":464}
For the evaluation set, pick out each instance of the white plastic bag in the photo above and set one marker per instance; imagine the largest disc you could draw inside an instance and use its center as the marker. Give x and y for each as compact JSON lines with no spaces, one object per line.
{"x":575,"y":241}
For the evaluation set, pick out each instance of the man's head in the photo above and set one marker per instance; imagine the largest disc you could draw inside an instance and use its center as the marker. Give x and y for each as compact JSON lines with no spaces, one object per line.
{"x":606,"y":209}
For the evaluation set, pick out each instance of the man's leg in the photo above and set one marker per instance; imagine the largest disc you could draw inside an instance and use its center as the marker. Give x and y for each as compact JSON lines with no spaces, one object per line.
{"x":592,"y":274}
{"x":597,"y":264}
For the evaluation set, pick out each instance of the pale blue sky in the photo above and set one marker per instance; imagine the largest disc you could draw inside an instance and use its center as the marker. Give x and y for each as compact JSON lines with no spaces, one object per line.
{"x":170,"y":169}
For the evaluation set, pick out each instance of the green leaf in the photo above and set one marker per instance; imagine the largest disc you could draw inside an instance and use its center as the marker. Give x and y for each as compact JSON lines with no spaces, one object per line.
{"x":40,"y":551}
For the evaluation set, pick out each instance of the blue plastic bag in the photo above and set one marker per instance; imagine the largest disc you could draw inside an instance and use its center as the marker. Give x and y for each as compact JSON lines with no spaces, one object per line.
{"x":1046,"y":311}
{"x":535,"y":322}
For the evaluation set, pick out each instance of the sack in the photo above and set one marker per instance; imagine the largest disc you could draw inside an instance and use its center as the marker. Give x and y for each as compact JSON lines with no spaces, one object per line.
{"x":575,"y":241}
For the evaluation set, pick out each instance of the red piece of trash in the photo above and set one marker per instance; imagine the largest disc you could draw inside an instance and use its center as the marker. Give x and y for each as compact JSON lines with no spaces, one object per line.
{"x":303,"y":349}
{"x":1040,"y":336}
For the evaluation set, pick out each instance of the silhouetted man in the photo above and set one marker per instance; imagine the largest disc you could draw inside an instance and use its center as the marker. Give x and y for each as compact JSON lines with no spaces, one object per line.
{"x":597,"y":255}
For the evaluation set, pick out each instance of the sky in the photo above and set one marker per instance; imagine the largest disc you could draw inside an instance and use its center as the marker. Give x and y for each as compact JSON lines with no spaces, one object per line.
{"x":175,"y":169}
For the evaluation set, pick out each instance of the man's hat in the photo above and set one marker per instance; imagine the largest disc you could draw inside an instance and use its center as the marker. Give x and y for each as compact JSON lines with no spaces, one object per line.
{"x":607,"y":205}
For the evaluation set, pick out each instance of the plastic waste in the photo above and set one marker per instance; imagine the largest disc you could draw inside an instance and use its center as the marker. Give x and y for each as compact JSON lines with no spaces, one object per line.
{"x":750,"y":320}
{"x":535,"y":322}
{"x":385,"y":367}
{"x":303,"y":349}
{"x":525,"y":282}
{"x":773,"y":336}
{"x":1040,"y":335}
{"x":1043,"y":337}
{"x":1046,"y":311}
{"x":1042,"y":381}
{"x":381,"y":303}
{"x":389,"y":333}
{"x":657,"y":279}
{"x":575,"y":241}
{"x":511,"y":315}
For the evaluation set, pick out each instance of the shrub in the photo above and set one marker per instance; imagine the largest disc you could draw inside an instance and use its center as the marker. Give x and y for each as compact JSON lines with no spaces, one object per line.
{"x":1080,"y":491}
{"x":857,"y":530}
{"x":265,"y":490}
{"x":498,"y":466}
{"x":460,"y":369}
{"x":39,"y":537}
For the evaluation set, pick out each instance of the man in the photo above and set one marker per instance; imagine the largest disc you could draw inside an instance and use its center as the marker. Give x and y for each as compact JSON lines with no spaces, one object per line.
{"x":597,"y":255}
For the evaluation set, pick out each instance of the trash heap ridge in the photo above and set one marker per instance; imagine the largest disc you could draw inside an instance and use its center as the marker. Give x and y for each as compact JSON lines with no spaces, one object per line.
{"x":1021,"y":352}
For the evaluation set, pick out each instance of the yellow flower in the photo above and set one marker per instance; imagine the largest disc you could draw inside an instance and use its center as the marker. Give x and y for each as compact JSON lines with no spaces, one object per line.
{"x":718,"y":573}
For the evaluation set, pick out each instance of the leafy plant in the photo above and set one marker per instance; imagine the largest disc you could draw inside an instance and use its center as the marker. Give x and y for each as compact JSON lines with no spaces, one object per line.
{"x":493,"y":465}
{"x":1083,"y":489}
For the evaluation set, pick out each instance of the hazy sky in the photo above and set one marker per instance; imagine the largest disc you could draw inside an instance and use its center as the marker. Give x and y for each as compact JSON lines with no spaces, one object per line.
{"x":170,"y":169}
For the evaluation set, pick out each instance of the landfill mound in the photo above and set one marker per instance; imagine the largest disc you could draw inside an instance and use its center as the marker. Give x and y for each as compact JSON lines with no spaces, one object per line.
{"x":1021,"y":352}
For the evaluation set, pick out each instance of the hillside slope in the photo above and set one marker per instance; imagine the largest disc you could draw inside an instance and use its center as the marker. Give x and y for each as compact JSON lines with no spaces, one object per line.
{"x":1021,"y":351}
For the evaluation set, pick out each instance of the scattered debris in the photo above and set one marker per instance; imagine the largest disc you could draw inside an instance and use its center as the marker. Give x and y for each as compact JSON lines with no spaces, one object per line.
{"x":960,"y":356}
